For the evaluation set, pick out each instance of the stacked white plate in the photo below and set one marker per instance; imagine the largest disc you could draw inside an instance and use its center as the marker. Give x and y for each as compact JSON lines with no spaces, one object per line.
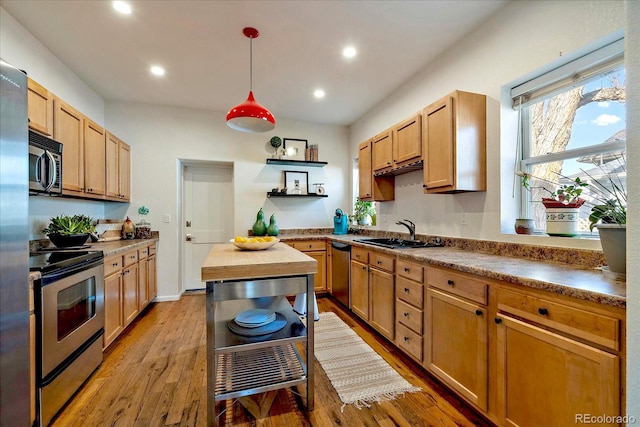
{"x":255,"y":318}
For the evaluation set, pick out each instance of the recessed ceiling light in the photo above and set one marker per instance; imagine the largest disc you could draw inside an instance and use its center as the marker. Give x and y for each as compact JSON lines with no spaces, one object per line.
{"x":318,"y":93}
{"x":349,"y":52}
{"x":122,"y":7}
{"x":157,"y":70}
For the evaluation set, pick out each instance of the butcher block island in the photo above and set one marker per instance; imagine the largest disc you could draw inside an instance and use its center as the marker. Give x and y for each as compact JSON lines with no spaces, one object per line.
{"x":250,"y":363}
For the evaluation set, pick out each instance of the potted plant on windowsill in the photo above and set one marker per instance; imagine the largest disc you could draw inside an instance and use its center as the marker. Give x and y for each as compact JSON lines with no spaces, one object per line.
{"x":609,"y":215}
{"x":363,"y":213}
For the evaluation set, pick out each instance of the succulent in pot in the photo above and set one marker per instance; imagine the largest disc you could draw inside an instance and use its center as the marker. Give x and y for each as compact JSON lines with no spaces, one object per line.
{"x":67,"y":231}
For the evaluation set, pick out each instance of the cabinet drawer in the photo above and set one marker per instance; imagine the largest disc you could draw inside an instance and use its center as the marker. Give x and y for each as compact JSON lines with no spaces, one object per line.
{"x":381,"y":262}
{"x":143,"y":253}
{"x":409,"y":291}
{"x":409,"y":316}
{"x":112,"y":265}
{"x":410,"y":270}
{"x":130,"y":258}
{"x":360,"y":255}
{"x":152,"y":250}
{"x":308,"y":245}
{"x":597,"y":328}
{"x":409,"y":341}
{"x":457,"y":284}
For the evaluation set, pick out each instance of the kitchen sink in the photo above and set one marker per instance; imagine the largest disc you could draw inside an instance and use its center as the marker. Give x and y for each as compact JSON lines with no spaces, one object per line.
{"x":392,"y":243}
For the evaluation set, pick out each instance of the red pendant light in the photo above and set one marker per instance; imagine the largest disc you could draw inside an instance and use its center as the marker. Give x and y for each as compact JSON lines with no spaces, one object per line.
{"x":250,"y":116}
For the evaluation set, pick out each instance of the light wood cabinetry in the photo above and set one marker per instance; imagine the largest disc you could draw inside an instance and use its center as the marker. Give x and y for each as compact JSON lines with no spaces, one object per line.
{"x":118,"y":168}
{"x":372,"y":289}
{"x":113,"y":299}
{"x":39,"y":108}
{"x":68,"y":130}
{"x":316,"y":249}
{"x":369,"y":187}
{"x":129,"y":286}
{"x":409,"y":308}
{"x":407,"y":141}
{"x":382,"y":149}
{"x":94,"y":158}
{"x":454,"y":144}
{"x":567,"y":369}
{"x":32,"y":354}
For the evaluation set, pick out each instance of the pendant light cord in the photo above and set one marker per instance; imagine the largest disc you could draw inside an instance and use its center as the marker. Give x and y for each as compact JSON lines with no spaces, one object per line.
{"x":250,"y":63}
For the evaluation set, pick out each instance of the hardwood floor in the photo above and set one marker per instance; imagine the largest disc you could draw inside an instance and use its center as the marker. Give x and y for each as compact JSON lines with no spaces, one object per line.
{"x":154,"y":374}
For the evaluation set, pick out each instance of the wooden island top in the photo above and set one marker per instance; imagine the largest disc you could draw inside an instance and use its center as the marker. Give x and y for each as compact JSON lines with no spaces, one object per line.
{"x":227,"y":262}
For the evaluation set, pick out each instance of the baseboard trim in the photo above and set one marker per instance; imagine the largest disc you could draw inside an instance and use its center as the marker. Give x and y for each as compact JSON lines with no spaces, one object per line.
{"x":167,"y":298}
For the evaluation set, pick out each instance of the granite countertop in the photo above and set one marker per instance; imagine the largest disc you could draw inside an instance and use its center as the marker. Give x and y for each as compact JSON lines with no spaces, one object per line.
{"x":590,"y":284}
{"x":121,"y":246}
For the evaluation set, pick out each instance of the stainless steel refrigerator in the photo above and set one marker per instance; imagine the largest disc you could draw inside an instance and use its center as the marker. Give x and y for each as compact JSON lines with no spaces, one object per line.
{"x":14,"y":248}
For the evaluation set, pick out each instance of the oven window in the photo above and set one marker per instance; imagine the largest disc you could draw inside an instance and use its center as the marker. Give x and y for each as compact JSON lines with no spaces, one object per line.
{"x":76,"y":305}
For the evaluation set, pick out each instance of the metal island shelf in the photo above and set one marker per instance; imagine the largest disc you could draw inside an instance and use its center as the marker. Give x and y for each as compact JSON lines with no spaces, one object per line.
{"x":239,"y":366}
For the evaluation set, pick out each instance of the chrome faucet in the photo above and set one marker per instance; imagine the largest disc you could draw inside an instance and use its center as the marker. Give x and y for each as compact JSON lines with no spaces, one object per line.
{"x":411,"y":226}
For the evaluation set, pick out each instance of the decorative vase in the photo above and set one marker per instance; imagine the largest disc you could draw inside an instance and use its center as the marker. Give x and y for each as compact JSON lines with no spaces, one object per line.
{"x":525,"y":226}
{"x":562,"y":219}
{"x":613,"y":238}
{"x":259,"y":227}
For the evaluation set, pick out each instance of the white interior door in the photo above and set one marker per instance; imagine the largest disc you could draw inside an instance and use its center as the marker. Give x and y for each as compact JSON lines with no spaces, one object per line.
{"x":207,"y":216}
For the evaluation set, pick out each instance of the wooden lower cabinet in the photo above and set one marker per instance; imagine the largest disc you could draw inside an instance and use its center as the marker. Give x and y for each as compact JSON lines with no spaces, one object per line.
{"x":317,"y":250}
{"x":566,"y":377}
{"x":456,"y":349}
{"x":130,"y":293}
{"x":113,"y":321}
{"x":143,"y":283}
{"x":152,"y":277}
{"x":360,"y":289}
{"x":382,"y":315}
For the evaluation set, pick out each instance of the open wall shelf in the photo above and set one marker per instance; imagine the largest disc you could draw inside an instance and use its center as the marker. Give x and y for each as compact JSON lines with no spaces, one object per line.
{"x":295,"y":163}
{"x":295,"y":195}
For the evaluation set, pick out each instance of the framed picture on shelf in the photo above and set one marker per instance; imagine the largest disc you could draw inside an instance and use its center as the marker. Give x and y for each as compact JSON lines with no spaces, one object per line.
{"x":294,"y":149}
{"x":296,"y":182}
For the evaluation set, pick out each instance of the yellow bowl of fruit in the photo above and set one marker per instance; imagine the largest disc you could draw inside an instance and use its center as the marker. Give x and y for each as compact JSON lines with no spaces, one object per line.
{"x":254,"y":243}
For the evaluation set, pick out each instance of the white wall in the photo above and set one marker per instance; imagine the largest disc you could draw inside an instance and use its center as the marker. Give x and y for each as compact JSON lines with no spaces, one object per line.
{"x":520,"y":38}
{"x":161,"y":136}
{"x":632,"y":58}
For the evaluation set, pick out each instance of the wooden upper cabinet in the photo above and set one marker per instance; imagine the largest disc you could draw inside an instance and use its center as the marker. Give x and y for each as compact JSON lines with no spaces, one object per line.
{"x":382,"y":151}
{"x":40,"y":108}
{"x":94,"y":158}
{"x":454,"y":144}
{"x":68,"y":130}
{"x":407,"y":141}
{"x":118,"y":168}
{"x":369,"y":187}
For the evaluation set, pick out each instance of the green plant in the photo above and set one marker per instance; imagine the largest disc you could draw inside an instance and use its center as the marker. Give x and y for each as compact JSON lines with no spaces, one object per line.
{"x":565,"y":193}
{"x":362,"y":209}
{"x":67,"y":225}
{"x":610,"y":204}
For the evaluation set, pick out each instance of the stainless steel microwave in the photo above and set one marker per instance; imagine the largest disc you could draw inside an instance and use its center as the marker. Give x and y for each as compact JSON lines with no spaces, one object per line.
{"x":45,"y":164}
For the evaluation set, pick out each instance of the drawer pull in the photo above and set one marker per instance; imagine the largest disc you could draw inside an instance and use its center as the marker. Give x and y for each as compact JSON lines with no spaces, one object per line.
{"x":450,"y":282}
{"x":543,"y":311}
{"x":364,"y":267}
{"x":406,"y":269}
{"x":406,"y":339}
{"x":115,"y":264}
{"x":479,"y":312}
{"x":406,"y":314}
{"x":379,"y":262}
{"x":406,"y":290}
{"x":497,"y":320}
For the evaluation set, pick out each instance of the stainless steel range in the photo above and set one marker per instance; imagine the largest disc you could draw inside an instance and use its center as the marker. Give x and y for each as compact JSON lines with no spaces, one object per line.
{"x":69,"y":324}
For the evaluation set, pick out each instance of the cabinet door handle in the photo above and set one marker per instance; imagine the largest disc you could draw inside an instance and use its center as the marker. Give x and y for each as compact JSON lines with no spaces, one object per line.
{"x":379,"y":262}
{"x":497,"y":320}
{"x":406,"y":269}
{"x":406,"y":339}
{"x":364,"y":267}
{"x":543,"y":311}
{"x":406,"y":314}
{"x":450,"y":282}
{"x":479,"y":312}
{"x":406,"y":290}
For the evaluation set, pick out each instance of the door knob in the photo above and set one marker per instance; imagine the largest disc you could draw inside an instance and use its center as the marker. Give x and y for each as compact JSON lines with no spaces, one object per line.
{"x":189,"y":237}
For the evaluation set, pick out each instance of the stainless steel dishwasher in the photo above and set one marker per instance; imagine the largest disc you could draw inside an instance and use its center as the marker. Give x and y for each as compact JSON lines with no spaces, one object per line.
{"x":341,"y":272}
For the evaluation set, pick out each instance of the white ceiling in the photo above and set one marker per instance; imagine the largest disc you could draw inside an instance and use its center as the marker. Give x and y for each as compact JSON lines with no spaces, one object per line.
{"x":206,"y":56}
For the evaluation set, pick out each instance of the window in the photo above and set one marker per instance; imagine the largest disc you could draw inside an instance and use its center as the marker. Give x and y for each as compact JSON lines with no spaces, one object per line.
{"x":572,"y":124}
